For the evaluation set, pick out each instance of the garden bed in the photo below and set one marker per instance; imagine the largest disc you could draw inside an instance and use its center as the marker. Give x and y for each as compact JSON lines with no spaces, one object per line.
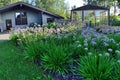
{"x":109,"y":30}
{"x":72,"y":52}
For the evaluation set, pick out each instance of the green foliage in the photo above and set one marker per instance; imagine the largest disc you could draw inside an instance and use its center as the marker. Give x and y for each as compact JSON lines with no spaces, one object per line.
{"x":56,"y":60}
{"x":115,"y":20}
{"x":55,"y":6}
{"x":116,"y":72}
{"x":6,"y":2}
{"x":108,"y":3}
{"x":34,"y":50}
{"x":58,"y":52}
{"x":14,"y":38}
{"x":118,"y":3}
{"x":23,"y":38}
{"x":50,"y":25}
{"x":95,"y":67}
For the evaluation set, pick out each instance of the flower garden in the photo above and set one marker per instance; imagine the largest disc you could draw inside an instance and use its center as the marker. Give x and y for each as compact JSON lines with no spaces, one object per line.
{"x":71,"y":52}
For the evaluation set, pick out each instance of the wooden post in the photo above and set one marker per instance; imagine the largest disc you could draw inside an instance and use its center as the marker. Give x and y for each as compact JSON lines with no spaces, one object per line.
{"x":71,"y":16}
{"x":95,"y":18}
{"x":108,"y":17}
{"x":83,"y":18}
{"x":41,"y":18}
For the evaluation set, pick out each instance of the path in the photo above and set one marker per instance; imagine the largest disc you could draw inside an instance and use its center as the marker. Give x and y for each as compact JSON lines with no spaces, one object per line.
{"x":4,"y":36}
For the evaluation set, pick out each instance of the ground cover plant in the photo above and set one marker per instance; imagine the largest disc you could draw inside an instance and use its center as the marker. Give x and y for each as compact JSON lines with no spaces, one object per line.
{"x":72,"y":52}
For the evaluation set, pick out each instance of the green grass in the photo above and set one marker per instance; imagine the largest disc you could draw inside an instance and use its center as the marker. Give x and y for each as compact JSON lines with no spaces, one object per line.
{"x":13,"y":66}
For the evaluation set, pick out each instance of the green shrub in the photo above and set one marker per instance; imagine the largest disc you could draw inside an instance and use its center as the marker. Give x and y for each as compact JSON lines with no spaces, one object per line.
{"x":56,"y":60}
{"x":50,"y":25}
{"x":14,"y":38}
{"x":95,"y":67}
{"x":35,"y":49}
{"x":116,"y":73}
{"x":115,"y":20}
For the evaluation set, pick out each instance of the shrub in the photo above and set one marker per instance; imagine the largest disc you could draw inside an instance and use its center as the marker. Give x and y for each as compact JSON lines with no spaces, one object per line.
{"x":56,"y":60}
{"x":50,"y":25}
{"x":115,"y":20}
{"x":116,"y":73}
{"x":35,"y":49}
{"x":95,"y":67}
{"x":14,"y":38}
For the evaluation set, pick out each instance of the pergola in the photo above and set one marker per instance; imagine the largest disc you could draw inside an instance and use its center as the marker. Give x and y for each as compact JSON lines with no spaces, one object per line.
{"x":93,"y":8}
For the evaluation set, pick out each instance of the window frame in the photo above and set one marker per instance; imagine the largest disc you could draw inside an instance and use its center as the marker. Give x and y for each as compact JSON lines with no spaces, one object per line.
{"x":21,"y":21}
{"x":50,"y":20}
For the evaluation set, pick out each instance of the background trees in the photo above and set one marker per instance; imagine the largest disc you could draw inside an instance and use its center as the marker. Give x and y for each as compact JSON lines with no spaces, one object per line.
{"x":55,"y":6}
{"x":118,"y":3}
{"x":105,"y":3}
{"x":6,"y":2}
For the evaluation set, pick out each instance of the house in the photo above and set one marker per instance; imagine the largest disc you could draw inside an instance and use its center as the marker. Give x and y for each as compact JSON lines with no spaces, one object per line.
{"x":21,"y":14}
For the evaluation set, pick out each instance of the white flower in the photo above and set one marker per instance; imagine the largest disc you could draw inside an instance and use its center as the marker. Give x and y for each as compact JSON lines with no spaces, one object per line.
{"x":117,"y":51}
{"x":85,"y":41}
{"x":107,"y":54}
{"x":77,"y":41}
{"x":99,"y":54}
{"x":86,"y":49}
{"x":19,"y":39}
{"x":112,"y":40}
{"x":118,"y":61}
{"x":110,"y":50}
{"x":90,"y":53}
{"x":117,"y":44}
{"x":74,"y":38}
{"x":105,"y":44}
{"x":79,"y":45}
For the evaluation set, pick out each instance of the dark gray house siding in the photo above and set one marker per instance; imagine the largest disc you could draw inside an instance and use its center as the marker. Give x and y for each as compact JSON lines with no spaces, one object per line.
{"x":34,"y":15}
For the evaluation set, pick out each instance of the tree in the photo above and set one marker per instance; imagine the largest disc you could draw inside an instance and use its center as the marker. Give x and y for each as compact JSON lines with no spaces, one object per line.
{"x":55,"y":6}
{"x":118,"y":3}
{"x":6,"y":2}
{"x":105,"y":3}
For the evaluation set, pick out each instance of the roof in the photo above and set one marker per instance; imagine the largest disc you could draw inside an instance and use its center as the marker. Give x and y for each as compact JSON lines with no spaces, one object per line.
{"x":9,"y":7}
{"x":90,"y":7}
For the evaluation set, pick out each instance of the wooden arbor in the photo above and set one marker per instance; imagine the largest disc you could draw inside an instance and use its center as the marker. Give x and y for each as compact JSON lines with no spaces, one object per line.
{"x":89,"y":8}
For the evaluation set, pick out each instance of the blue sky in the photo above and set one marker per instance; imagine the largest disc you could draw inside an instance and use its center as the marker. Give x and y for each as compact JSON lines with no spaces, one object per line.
{"x":77,"y":3}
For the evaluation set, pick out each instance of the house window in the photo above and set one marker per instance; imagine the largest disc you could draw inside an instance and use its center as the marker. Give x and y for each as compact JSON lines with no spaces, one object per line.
{"x":50,"y":20}
{"x":20,"y":18}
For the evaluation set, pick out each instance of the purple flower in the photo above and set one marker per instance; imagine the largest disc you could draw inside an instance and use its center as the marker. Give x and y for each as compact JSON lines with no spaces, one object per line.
{"x":85,"y":44}
{"x":94,"y":43}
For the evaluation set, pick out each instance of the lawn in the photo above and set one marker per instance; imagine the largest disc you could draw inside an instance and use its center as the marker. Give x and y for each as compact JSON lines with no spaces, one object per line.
{"x":13,"y":66}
